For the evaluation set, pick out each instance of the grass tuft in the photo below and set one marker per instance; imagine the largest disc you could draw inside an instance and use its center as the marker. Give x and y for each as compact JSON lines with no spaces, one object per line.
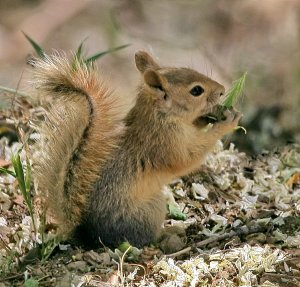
{"x":79,"y":52}
{"x":89,"y":61}
{"x":235,"y":92}
{"x":38,"y":49}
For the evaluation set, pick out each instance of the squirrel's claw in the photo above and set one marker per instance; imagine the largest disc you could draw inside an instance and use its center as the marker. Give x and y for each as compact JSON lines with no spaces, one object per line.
{"x":230,"y":123}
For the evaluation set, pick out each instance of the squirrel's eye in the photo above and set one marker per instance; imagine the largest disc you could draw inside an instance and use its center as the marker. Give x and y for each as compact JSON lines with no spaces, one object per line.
{"x":159,"y":87}
{"x":197,"y":91}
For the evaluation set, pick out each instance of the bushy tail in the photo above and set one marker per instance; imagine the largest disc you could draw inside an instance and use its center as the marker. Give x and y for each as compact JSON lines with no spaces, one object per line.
{"x":81,"y":128}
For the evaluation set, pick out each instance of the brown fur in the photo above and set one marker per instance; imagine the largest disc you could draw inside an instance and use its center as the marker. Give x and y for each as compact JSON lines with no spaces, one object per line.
{"x":72,"y":122}
{"x":109,"y":181}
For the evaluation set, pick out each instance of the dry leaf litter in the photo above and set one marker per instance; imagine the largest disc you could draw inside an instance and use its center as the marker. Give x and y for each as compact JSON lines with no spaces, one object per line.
{"x":231,"y":192}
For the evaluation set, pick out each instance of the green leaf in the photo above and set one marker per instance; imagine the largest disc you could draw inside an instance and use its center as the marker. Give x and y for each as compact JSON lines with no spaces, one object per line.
{"x":7,"y":171}
{"x":31,"y":283}
{"x":48,"y":248}
{"x":24,"y":183}
{"x":89,"y":61}
{"x":235,"y":92}
{"x":124,"y":246}
{"x":17,"y":164}
{"x":132,"y":253}
{"x":38,"y":49}
{"x":176,"y":213}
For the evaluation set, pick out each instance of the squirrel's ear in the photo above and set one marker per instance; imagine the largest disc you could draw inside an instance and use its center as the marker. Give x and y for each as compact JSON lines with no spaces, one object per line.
{"x":153,"y":79}
{"x":156,"y":82}
{"x":144,"y":61}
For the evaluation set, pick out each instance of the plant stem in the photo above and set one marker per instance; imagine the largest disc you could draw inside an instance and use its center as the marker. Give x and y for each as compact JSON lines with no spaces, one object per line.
{"x":13,"y":91}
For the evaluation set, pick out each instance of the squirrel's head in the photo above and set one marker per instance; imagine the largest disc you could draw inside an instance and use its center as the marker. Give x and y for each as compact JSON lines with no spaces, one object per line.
{"x":181,"y":92}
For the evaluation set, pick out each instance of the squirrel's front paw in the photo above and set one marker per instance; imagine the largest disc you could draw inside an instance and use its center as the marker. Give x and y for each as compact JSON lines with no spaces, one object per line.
{"x":230,"y":123}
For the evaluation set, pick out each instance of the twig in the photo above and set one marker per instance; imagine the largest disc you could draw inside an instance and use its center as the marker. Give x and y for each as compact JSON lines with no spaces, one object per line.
{"x":280,"y":275}
{"x":244,"y":230}
{"x":13,"y":91}
{"x":43,"y":278}
{"x":121,"y":265}
{"x":6,"y":247}
{"x":178,"y":253}
{"x":11,"y":277}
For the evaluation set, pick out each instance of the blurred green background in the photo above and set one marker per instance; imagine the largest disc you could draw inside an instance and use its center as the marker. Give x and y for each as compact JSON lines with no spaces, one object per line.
{"x":221,"y":39}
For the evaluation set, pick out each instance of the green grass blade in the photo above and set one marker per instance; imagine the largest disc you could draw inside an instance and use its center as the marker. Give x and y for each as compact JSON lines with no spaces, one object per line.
{"x":78,"y":55}
{"x":24,"y":183}
{"x":38,"y":49}
{"x":79,"y":50}
{"x":235,"y":92}
{"x":28,"y":175}
{"x":48,"y":248}
{"x":89,"y":61}
{"x":7,"y":171}
{"x":17,"y":164}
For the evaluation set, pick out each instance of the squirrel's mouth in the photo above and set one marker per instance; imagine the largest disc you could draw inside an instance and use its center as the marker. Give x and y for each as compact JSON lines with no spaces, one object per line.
{"x":211,"y":116}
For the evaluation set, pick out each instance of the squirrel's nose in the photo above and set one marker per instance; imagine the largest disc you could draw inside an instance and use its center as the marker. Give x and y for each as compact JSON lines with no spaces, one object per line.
{"x":219,"y":91}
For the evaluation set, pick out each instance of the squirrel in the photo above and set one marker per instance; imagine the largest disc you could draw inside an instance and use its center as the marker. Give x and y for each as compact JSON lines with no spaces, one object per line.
{"x":101,"y":172}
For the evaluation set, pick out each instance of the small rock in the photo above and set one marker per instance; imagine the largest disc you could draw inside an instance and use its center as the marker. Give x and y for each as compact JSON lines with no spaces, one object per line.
{"x":149,"y":253}
{"x":38,"y":272}
{"x":180,"y":192}
{"x":256,"y":238}
{"x":93,"y":257}
{"x":5,"y":231}
{"x":65,"y":281}
{"x":78,"y":265}
{"x":199,"y":191}
{"x":171,"y":244}
{"x":19,"y":199}
{"x":78,"y":256}
{"x":5,"y":201}
{"x":219,"y":219}
{"x":3,"y":221}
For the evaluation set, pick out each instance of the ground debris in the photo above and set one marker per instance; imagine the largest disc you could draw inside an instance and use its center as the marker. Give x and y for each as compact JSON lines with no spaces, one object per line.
{"x":242,"y":228}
